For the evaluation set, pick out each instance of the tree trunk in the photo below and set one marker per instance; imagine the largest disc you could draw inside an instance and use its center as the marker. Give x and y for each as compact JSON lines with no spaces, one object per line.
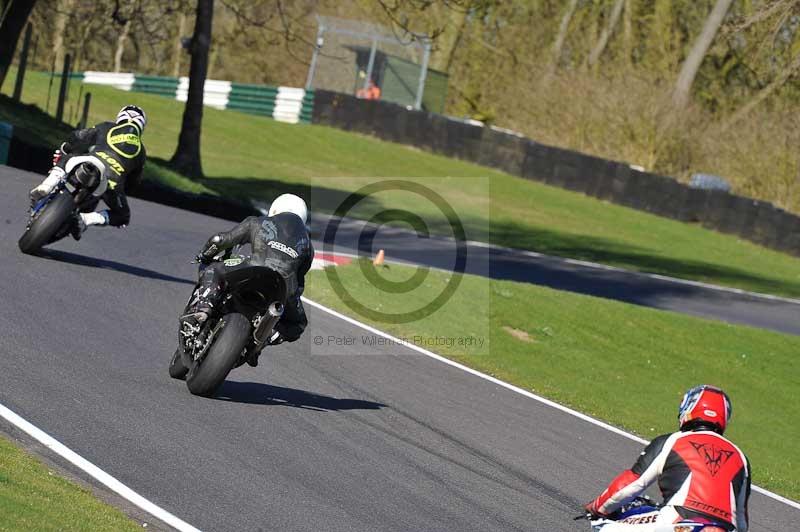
{"x":187,"y":155}
{"x":456,"y":43}
{"x":212,"y":61}
{"x":63,"y":10}
{"x":123,"y":36}
{"x":14,"y":16}
{"x":561,"y":37}
{"x":88,"y":28}
{"x":449,"y":40}
{"x":683,"y":87}
{"x":138,"y":52}
{"x":176,"y":69}
{"x":627,"y":31}
{"x":602,"y":42}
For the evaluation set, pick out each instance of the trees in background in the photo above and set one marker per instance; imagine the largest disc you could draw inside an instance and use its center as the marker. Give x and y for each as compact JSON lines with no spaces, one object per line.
{"x":659,"y":83}
{"x":108,"y":34}
{"x":694,"y":59}
{"x":13,"y":16}
{"x":561,"y":36}
{"x":715,"y":52}
{"x":605,"y":35}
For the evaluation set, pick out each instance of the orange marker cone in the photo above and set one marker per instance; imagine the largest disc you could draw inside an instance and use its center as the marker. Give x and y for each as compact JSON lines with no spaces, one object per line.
{"x":378,"y":260}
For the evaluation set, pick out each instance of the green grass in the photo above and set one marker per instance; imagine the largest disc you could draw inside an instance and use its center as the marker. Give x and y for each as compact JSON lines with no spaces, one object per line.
{"x":621,"y":363}
{"x":33,"y":498}
{"x":247,"y":156}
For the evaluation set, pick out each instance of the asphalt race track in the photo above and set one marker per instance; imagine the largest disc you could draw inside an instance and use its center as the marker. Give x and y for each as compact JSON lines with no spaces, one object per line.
{"x":313,"y":439}
{"x":778,"y":314}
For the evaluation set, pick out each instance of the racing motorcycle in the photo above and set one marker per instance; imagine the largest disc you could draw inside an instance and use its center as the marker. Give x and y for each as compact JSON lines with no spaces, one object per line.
{"x":643,"y":510}
{"x":240,"y":327}
{"x":53,"y":217}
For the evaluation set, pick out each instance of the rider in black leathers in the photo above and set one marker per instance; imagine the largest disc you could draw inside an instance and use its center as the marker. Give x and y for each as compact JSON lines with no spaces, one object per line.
{"x":118,"y":145}
{"x":279,"y":241}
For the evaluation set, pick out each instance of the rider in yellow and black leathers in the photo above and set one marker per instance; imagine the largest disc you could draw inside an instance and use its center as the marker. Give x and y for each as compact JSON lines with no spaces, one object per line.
{"x":119,"y":146}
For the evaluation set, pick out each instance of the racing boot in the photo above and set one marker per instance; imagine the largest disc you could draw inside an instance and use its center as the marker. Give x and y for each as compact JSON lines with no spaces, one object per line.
{"x":53,"y":178}
{"x":84,"y":220}
{"x":77,"y":227}
{"x":274,"y":339}
{"x":252,"y":357}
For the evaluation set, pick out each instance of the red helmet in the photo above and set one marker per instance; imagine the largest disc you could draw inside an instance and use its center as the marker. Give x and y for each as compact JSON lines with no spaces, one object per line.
{"x":705,"y":405}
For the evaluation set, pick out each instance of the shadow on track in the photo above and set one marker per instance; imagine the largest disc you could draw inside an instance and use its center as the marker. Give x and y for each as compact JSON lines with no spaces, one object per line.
{"x":93,"y":262}
{"x":256,"y":393}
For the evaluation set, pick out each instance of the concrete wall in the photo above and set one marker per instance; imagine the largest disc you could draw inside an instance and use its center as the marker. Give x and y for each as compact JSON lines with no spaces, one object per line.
{"x":753,"y":220}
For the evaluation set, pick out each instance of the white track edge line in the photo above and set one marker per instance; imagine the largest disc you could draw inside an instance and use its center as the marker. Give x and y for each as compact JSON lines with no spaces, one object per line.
{"x":513,"y":388}
{"x":95,"y":472}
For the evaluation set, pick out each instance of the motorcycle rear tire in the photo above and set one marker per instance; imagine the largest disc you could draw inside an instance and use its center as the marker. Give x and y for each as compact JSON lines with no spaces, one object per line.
{"x":46,"y":224}
{"x":206,"y":376}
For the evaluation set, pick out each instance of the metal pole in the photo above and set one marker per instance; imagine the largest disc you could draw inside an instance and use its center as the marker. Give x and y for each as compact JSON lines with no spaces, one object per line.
{"x":423,"y":74}
{"x":85,"y":116}
{"x":62,"y":91}
{"x":23,"y":64}
{"x":77,"y":105}
{"x":313,"y":67}
{"x":50,"y":85}
{"x":35,"y":49}
{"x":371,"y":63}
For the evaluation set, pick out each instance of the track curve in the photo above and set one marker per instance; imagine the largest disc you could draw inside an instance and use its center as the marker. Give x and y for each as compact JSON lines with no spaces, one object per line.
{"x":637,"y":288}
{"x":309,"y":440}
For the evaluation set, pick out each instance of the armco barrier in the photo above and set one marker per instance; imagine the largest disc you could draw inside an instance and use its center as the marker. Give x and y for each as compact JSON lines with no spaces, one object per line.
{"x":757,"y":221}
{"x":123,"y":81}
{"x":252,"y":99}
{"x":307,"y":108}
{"x":160,"y":85}
{"x":215,"y":93}
{"x":289,"y":104}
{"x":285,"y":104}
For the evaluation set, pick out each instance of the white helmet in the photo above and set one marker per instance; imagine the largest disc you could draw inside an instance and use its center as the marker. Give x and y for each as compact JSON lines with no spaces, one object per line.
{"x":289,"y":203}
{"x":132,"y":113}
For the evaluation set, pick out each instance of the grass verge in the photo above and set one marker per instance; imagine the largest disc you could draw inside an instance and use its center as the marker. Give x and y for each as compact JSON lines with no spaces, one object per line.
{"x":33,"y":498}
{"x":621,"y":363}
{"x":248,"y":156}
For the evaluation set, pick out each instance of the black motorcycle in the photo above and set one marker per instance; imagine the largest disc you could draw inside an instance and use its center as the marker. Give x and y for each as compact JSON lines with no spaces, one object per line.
{"x":239,"y":328}
{"x":54,"y":216}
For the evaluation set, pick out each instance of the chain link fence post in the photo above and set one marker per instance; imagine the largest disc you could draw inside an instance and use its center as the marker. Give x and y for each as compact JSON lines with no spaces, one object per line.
{"x":374,"y":62}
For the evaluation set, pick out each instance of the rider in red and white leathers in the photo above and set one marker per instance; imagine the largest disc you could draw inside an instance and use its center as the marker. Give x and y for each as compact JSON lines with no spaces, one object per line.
{"x":701,"y":474}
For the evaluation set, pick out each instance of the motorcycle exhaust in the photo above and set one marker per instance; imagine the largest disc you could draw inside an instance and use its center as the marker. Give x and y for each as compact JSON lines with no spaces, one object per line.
{"x":267,"y":323}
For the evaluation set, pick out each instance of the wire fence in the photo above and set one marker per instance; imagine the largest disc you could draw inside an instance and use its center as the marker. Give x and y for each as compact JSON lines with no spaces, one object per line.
{"x":372,"y":62}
